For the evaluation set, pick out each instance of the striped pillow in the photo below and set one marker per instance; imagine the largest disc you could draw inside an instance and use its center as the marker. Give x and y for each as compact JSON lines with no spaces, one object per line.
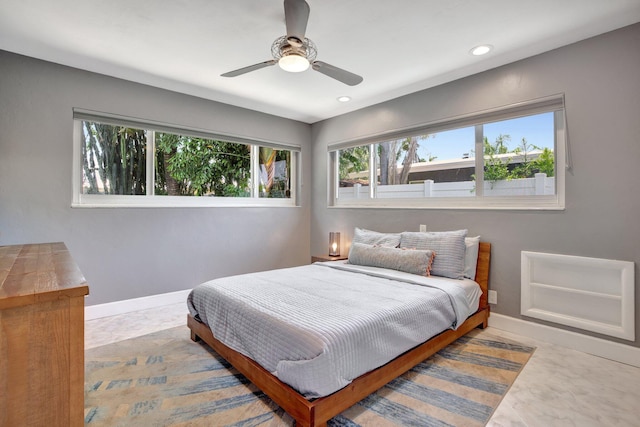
{"x":448,"y":245}
{"x":410,"y":261}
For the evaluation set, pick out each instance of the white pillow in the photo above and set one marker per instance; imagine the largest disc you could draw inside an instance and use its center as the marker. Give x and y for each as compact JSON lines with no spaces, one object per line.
{"x":369,"y":237}
{"x":472,"y":245}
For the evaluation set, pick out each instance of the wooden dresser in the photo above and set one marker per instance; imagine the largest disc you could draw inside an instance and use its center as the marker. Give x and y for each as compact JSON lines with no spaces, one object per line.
{"x":41,"y":336}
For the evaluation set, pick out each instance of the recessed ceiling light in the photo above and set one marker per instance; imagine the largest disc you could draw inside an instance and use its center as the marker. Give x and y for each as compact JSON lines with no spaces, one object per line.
{"x":483,"y":49}
{"x":344,"y":98}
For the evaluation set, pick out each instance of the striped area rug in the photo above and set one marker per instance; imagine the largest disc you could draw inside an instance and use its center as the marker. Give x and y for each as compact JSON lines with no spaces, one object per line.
{"x":165,"y":379}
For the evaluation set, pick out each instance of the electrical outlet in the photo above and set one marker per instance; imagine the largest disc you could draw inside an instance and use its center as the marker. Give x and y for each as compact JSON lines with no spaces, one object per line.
{"x":493,"y":297}
{"x":423,"y":228}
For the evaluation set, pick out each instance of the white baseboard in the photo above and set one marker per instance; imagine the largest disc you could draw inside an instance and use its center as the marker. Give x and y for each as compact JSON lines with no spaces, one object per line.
{"x":127,"y":306}
{"x":584,"y":343}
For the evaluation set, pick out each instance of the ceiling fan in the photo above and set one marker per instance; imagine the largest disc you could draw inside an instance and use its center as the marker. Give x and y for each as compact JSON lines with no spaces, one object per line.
{"x":294,"y":52}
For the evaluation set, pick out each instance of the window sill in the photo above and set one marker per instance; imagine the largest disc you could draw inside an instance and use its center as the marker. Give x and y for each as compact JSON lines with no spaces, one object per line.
{"x":101,"y":201}
{"x":539,"y":203}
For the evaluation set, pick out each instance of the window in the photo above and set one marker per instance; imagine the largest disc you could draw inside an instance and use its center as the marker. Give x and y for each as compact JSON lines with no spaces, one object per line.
{"x":125,"y":163}
{"x":508,"y":158}
{"x":113,"y":159}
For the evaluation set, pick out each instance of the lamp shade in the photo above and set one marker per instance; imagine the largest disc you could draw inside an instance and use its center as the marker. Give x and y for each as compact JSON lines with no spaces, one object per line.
{"x":334,"y":244}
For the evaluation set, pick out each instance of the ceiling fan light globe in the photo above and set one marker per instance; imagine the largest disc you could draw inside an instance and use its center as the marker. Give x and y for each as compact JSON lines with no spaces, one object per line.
{"x":293,"y":63}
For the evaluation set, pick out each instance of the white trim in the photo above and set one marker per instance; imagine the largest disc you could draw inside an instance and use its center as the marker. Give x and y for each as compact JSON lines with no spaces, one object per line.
{"x":150,"y":166}
{"x":587,"y":344}
{"x":255,"y":171}
{"x":98,"y":311}
{"x":119,"y":201}
{"x":550,"y":202}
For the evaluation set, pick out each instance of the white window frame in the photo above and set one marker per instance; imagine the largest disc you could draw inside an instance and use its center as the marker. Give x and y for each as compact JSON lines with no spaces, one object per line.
{"x":81,"y":200}
{"x":553,"y":103}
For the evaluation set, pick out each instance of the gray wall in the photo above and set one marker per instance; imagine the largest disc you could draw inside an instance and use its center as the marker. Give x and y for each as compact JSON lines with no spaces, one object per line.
{"x":127,"y":253}
{"x":600,"y":79}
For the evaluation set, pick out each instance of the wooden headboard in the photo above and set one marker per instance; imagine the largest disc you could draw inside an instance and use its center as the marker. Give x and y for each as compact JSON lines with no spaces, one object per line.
{"x":482,"y":272}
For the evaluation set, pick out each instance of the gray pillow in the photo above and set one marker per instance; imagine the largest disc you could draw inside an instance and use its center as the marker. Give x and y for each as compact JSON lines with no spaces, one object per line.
{"x":410,"y":261}
{"x":449,"y":247}
{"x":369,"y":237}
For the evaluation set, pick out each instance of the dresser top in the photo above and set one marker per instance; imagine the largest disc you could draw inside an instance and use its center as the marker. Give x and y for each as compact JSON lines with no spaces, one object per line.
{"x":35,"y":273}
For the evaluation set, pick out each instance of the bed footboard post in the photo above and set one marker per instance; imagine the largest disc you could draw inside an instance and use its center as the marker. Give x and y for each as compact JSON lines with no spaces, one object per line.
{"x":191,"y":321}
{"x":485,"y":318}
{"x":311,"y":422}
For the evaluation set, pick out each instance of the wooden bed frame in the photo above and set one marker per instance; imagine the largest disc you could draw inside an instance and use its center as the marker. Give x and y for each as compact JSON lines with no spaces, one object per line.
{"x":316,"y":413}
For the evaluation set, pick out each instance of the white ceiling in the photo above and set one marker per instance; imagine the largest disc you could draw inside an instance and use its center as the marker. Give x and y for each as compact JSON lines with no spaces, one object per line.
{"x":398,"y":46}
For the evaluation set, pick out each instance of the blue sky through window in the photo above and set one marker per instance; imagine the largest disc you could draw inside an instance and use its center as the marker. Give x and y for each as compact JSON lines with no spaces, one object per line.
{"x":538,"y":130}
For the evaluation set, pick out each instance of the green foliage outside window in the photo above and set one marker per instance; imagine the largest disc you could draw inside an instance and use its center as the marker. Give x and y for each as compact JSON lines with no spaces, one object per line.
{"x":495,"y":168}
{"x":498,"y":168}
{"x":115,"y":162}
{"x":189,"y":166}
{"x":114,"y":159}
{"x":545,"y":163}
{"x":355,"y":159}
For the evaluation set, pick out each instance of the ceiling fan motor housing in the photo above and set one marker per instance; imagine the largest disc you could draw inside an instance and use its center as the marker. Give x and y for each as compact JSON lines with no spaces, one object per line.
{"x":284,"y":46}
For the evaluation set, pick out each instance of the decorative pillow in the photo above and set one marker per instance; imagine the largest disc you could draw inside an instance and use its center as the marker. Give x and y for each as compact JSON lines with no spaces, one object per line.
{"x":449,"y":245}
{"x":369,"y":237}
{"x":471,"y":256}
{"x":410,"y":261}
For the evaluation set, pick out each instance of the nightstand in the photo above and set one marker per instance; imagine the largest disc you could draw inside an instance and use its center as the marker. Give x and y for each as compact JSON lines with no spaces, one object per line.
{"x":316,"y":258}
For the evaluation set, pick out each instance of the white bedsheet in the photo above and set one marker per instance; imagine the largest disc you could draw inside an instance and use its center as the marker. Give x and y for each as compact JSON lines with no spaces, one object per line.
{"x":317,"y":327}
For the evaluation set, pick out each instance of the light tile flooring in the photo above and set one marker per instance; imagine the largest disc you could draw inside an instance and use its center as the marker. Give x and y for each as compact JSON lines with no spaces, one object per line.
{"x":558,"y":387}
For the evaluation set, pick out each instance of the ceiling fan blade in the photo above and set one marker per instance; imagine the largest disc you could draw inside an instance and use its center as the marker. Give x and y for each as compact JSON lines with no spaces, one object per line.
{"x":250,"y":68}
{"x":296,"y":15}
{"x":337,"y":73}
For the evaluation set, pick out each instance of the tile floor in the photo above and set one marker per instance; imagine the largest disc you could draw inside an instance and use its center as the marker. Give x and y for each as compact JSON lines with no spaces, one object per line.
{"x":558,"y":387}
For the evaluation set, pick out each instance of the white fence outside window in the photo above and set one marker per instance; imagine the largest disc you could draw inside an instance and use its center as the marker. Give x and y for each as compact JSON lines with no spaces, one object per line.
{"x":540,"y":185}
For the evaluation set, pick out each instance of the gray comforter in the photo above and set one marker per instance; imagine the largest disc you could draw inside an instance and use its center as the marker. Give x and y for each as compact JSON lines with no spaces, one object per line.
{"x":319,"y":326}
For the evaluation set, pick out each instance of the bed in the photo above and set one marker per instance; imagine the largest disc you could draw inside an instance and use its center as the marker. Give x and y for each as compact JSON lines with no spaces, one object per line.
{"x":285,"y":382}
